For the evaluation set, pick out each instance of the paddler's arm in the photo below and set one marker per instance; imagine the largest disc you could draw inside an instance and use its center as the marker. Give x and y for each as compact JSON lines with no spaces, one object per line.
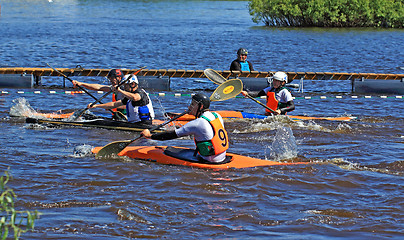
{"x":132,"y":96}
{"x":254,"y":94}
{"x":91,"y":86}
{"x":290,"y":106}
{"x":167,"y":135}
{"x":109,"y":105}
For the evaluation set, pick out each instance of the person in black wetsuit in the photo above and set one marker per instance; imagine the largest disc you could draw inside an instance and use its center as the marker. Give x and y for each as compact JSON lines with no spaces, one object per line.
{"x":241,"y":64}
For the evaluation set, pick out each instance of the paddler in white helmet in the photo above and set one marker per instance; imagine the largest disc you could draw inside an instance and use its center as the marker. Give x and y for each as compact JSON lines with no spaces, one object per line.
{"x":279,"y":98}
{"x":210,"y":136}
{"x":139,"y":108}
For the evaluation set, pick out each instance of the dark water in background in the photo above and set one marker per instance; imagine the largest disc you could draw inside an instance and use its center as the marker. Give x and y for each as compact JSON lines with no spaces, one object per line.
{"x":354,"y":192}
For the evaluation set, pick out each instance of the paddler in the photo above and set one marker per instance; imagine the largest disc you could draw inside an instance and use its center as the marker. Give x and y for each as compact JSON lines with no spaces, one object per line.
{"x":210,"y":136}
{"x":279,"y":98}
{"x":241,"y":64}
{"x":139,"y":108}
{"x":114,"y":76}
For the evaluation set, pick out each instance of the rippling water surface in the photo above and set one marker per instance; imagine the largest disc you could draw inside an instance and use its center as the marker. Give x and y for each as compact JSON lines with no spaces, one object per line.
{"x":353,"y":189}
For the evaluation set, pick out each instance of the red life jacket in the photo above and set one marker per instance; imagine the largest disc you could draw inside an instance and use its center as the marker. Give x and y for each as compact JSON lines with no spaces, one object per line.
{"x":114,"y":100}
{"x":272,"y":103}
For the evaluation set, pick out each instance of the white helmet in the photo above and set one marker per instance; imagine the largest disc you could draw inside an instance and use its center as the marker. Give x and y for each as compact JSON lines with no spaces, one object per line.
{"x":280,"y":76}
{"x":133,"y":79}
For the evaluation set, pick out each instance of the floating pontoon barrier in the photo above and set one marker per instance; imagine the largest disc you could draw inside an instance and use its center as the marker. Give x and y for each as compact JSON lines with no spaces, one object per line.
{"x":179,"y":73}
{"x":253,"y":81}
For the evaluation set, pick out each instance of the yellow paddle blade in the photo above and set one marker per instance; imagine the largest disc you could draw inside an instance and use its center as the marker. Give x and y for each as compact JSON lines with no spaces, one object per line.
{"x":227,"y":90}
{"x":214,"y":76}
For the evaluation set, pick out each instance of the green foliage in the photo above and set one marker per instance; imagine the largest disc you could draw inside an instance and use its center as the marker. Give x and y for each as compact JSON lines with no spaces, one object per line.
{"x":11,"y":218}
{"x":328,"y":13}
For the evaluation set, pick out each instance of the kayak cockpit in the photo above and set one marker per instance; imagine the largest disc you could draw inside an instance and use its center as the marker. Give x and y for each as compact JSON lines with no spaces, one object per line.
{"x":190,"y":156}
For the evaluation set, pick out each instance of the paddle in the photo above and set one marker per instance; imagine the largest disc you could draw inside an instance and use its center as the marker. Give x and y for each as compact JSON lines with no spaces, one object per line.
{"x":225,"y":91}
{"x":214,"y":76}
{"x":116,"y":114}
{"x":219,"y":79}
{"x":77,"y":114}
{"x":116,"y":147}
{"x":260,"y":103}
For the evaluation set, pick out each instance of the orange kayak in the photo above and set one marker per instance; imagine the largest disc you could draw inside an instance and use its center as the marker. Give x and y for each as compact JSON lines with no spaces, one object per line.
{"x":52,"y":115}
{"x":185,"y":157}
{"x":244,"y":115}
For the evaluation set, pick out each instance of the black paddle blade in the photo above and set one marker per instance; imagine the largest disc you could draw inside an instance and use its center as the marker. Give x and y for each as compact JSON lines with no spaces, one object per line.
{"x":119,"y":116}
{"x":76,"y":115}
{"x":112,"y":149}
{"x":214,"y":76}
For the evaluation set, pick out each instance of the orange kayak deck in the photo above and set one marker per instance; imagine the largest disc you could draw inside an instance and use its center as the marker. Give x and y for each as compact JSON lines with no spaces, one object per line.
{"x":53,"y":115}
{"x":243,"y":115}
{"x":160,"y":155}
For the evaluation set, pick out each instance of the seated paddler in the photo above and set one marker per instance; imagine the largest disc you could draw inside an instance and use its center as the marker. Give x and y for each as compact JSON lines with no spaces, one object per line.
{"x":208,"y":130}
{"x":115,"y":76}
{"x":279,"y":98}
{"x":139,"y":108}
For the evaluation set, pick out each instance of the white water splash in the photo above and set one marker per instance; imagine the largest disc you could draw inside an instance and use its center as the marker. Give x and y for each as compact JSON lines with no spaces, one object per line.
{"x":284,"y":145}
{"x":82,"y":151}
{"x":21,"y":108}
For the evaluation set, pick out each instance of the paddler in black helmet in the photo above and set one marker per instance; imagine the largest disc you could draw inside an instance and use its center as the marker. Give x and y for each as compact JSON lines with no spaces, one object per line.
{"x":241,"y":64}
{"x":115,"y":76}
{"x":208,"y":130}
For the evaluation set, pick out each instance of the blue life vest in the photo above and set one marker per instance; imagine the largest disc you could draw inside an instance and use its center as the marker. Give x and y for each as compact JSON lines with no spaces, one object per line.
{"x":144,"y":113}
{"x":138,"y":113}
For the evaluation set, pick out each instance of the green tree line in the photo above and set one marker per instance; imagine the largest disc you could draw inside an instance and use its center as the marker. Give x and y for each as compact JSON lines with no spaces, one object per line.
{"x":328,"y":13}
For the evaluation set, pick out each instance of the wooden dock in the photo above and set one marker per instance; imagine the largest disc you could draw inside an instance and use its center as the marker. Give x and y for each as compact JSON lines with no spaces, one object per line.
{"x":179,"y":73}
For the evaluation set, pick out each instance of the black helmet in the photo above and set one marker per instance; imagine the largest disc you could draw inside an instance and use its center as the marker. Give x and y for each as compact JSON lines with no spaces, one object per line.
{"x":203,"y":99}
{"x":242,"y":51}
{"x":115,"y":73}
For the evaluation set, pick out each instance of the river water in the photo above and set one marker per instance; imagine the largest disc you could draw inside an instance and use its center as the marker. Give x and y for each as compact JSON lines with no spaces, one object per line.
{"x":353,"y":189}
